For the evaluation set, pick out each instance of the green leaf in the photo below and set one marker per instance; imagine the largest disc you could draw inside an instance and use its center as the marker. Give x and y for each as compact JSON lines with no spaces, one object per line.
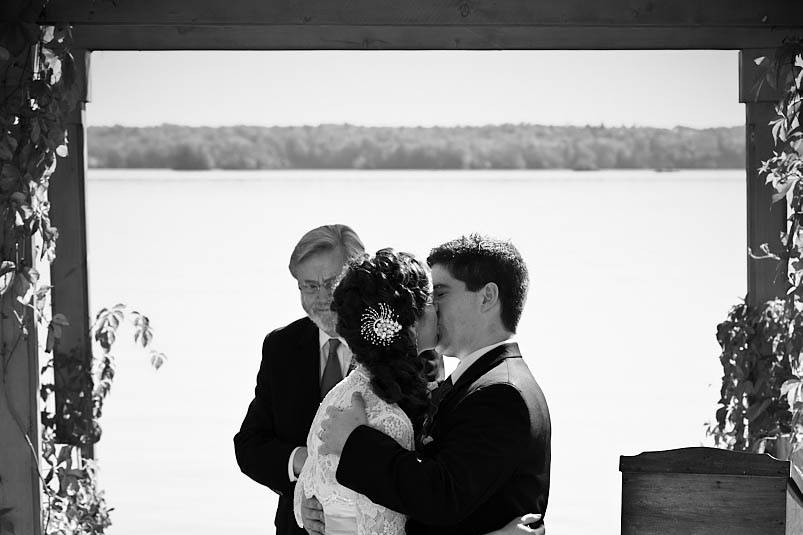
{"x":6,"y":275}
{"x":50,"y":341}
{"x":10,"y":171}
{"x":788,"y":385}
{"x":45,"y":391}
{"x":784,"y":189}
{"x":754,"y":411}
{"x":47,"y":34}
{"x":157,"y":359}
{"x":64,"y":454}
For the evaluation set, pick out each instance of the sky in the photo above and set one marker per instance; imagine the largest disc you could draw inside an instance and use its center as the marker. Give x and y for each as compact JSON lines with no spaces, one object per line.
{"x":416,"y":88}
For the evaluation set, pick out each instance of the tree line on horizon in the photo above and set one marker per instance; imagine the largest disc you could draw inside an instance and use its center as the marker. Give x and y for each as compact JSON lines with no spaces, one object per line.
{"x":508,"y":146}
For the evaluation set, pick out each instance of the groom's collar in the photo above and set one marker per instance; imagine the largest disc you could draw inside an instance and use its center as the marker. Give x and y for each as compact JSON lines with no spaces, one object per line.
{"x":473,"y":357}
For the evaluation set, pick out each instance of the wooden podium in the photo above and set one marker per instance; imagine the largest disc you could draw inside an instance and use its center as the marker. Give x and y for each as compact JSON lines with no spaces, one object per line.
{"x":704,"y":491}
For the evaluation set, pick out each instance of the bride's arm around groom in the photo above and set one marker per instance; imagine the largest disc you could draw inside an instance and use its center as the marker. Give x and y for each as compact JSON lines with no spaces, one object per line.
{"x":486,"y":455}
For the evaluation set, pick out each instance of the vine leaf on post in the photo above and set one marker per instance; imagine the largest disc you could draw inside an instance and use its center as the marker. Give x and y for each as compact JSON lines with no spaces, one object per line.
{"x":157,"y":359}
{"x":54,"y":330}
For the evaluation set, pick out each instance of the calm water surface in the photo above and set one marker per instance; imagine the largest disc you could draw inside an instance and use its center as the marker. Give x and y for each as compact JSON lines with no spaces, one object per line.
{"x":631,"y":271}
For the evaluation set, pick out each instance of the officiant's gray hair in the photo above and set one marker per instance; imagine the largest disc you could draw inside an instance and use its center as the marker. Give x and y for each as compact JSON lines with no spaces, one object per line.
{"x":326,"y":238}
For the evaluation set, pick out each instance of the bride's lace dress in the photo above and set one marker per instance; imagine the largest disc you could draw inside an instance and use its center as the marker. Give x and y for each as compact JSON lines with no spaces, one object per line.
{"x":346,"y":512}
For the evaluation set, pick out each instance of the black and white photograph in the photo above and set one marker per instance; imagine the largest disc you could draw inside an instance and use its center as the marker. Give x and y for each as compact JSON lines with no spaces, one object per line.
{"x":401,"y":268}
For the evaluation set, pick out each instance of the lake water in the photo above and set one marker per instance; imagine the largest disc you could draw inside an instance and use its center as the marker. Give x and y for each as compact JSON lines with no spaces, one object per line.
{"x":631,"y":271}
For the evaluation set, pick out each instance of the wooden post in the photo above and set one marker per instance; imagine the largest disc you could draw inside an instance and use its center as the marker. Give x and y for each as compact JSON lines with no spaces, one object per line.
{"x":20,"y":488}
{"x":765,"y":220}
{"x":69,"y":269}
{"x":19,"y":420}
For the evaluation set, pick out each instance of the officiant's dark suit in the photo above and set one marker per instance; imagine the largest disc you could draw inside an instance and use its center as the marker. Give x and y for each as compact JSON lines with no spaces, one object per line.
{"x":487,"y":462}
{"x":299,"y":363}
{"x":286,"y":398}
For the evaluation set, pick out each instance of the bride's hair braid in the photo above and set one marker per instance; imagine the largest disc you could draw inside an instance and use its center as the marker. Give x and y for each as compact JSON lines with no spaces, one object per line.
{"x":397,"y":279}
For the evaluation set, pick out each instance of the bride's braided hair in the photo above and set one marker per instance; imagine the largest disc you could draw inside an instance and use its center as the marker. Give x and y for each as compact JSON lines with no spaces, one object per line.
{"x":398,"y":373}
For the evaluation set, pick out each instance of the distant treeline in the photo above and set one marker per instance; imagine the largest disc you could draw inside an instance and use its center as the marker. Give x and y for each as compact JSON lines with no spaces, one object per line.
{"x":507,"y":146}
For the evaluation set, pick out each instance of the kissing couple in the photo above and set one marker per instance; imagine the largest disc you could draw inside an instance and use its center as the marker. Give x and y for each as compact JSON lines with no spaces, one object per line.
{"x":390,"y":451}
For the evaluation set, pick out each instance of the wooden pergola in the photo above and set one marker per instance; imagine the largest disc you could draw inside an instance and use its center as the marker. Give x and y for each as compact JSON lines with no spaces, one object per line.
{"x":754,"y":27}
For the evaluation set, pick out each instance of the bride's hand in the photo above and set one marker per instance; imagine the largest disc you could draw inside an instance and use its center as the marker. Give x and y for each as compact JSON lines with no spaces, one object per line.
{"x":518,"y":526}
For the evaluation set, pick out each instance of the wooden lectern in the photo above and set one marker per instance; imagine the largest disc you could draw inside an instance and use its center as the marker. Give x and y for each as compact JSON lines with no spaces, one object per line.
{"x":704,"y":491}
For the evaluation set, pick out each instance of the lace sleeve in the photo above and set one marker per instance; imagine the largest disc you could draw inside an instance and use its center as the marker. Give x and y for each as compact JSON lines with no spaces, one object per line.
{"x":396,"y":425}
{"x":298,"y":496}
{"x":318,"y":476}
{"x":373,"y":519}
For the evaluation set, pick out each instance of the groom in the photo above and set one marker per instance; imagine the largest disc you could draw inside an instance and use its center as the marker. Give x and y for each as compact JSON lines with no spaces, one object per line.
{"x":486,"y":452}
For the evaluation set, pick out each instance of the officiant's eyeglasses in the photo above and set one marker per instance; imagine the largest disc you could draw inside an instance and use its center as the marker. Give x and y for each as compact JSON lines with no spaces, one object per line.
{"x":313,"y":287}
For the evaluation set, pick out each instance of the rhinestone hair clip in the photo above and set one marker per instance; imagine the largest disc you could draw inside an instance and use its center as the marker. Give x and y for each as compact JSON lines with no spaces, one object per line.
{"x":379,"y":327}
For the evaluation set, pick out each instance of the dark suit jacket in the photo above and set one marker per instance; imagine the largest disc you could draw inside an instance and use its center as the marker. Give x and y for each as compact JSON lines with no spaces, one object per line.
{"x":487,"y":463}
{"x":286,"y":398}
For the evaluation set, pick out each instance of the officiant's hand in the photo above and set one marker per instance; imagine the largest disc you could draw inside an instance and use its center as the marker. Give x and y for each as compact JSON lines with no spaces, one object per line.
{"x":312,"y":516}
{"x":339,"y":424}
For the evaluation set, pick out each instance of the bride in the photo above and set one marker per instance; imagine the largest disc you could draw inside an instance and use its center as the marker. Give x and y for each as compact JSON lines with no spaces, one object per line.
{"x":386,"y":316}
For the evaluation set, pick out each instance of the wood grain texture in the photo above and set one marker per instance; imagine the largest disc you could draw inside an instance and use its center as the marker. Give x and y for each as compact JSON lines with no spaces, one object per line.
{"x":190,"y":36}
{"x":794,"y":509}
{"x":735,"y":13}
{"x":704,"y":461}
{"x":765,"y":219}
{"x":425,"y":24}
{"x":656,"y":504}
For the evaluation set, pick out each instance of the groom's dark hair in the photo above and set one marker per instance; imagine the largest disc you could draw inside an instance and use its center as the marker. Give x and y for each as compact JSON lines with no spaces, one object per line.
{"x":477,"y":260}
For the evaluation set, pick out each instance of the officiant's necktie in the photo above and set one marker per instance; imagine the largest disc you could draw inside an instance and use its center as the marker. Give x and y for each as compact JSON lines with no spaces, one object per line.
{"x":332,"y":373}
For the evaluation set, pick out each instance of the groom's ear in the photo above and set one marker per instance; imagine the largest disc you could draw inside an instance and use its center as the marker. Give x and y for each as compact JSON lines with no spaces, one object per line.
{"x":490,"y":296}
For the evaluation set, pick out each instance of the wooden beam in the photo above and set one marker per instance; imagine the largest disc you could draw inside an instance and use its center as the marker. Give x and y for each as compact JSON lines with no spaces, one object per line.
{"x":20,"y":10}
{"x":691,"y":13}
{"x":188,"y":36}
{"x":70,"y":294}
{"x":424,"y":24}
{"x":765,"y":220}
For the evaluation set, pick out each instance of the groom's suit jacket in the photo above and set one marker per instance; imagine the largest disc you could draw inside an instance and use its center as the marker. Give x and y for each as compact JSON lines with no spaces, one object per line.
{"x":487,"y":462}
{"x":286,"y":398}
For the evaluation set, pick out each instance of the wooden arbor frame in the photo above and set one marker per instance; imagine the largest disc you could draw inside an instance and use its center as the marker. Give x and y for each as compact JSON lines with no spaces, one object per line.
{"x":751,"y":26}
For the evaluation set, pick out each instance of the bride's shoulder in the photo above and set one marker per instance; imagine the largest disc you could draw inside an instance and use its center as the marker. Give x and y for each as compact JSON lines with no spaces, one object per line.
{"x":357,"y":380}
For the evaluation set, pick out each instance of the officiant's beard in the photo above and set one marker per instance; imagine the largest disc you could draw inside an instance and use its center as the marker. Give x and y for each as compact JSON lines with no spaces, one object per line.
{"x":326,"y":320}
